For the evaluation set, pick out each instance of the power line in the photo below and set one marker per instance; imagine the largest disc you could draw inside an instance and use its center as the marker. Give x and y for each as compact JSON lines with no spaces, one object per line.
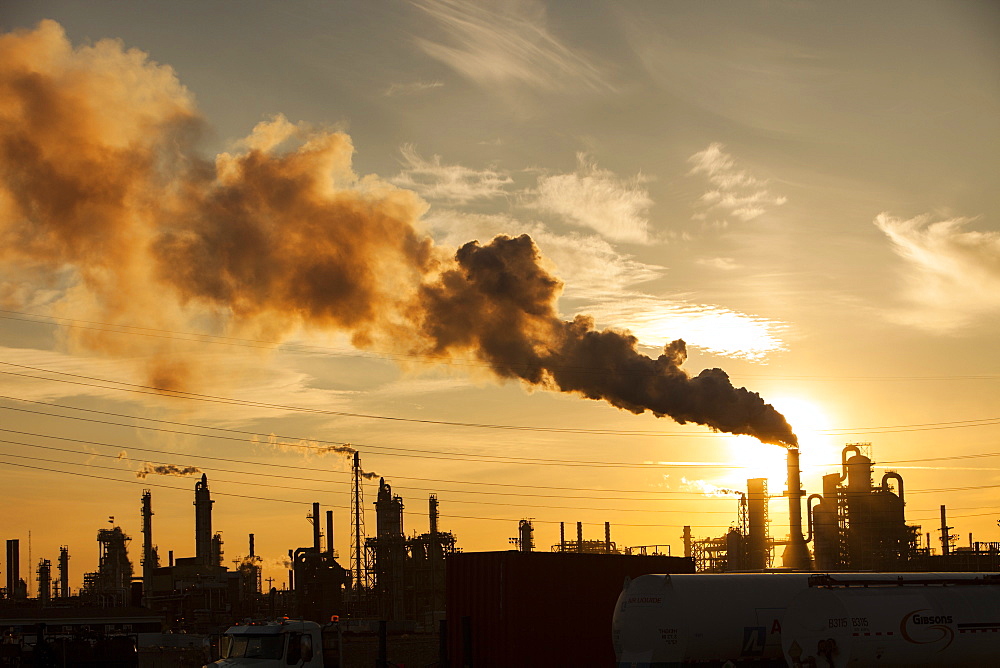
{"x":180,"y":394}
{"x":318,"y":444}
{"x":448,"y":500}
{"x":697,"y":497}
{"x":159,"y":391}
{"x":262,"y":498}
{"x":389,"y":450}
{"x":201,"y":337}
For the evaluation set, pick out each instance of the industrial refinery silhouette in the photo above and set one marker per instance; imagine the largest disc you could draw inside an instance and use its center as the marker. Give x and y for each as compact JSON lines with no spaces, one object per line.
{"x":417,"y":598}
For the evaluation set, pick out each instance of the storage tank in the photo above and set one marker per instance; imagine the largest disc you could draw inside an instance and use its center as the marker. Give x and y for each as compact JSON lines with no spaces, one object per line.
{"x":927,"y":624}
{"x":671,"y":619}
{"x":715,"y":618}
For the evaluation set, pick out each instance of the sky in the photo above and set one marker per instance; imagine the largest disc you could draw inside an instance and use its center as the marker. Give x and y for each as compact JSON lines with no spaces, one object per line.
{"x":235,"y":240}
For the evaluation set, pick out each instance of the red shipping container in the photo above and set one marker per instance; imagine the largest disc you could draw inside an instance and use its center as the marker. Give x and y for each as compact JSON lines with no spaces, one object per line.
{"x":548,"y":609}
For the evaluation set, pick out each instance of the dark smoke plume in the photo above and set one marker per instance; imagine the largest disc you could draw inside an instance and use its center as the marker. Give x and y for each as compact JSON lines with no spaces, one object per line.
{"x":165,"y":469}
{"x":99,"y":173}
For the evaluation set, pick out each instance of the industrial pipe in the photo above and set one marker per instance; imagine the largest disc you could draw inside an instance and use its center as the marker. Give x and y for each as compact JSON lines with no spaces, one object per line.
{"x":843,"y":458}
{"x":809,"y":514}
{"x":898,"y":478}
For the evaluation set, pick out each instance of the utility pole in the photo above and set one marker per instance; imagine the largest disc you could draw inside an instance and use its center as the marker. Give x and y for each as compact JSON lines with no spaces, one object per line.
{"x":358,"y":542}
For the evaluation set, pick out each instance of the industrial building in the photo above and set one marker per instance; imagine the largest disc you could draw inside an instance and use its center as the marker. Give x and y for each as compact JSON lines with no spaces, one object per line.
{"x":481,"y":606}
{"x":854,"y":525}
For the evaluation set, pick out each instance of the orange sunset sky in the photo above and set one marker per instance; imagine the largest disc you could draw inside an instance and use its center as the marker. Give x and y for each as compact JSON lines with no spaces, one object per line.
{"x":230,"y":241}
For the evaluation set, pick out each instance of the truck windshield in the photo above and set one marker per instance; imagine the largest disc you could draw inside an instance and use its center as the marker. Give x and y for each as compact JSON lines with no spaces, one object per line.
{"x":255,"y":647}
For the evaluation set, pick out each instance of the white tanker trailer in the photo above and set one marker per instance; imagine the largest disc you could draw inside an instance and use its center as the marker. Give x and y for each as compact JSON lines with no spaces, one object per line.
{"x":910,"y":623}
{"x":721,"y":619}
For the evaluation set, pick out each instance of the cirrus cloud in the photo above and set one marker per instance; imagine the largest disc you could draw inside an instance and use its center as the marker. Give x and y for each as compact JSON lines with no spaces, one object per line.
{"x":732,"y":191}
{"x":953,"y":272}
{"x":597,"y":198}
{"x":454,"y":184}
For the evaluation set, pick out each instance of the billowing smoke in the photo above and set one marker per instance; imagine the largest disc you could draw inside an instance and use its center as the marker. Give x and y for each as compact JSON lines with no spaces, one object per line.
{"x":165,"y":469}
{"x":99,"y":176}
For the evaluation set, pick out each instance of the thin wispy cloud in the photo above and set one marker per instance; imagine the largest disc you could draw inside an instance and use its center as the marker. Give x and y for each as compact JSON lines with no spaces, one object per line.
{"x":597,"y":198}
{"x":953,"y":272}
{"x":720,"y":263}
{"x":506,"y":43}
{"x":452,"y":184}
{"x":411,"y":88}
{"x":733,"y":192}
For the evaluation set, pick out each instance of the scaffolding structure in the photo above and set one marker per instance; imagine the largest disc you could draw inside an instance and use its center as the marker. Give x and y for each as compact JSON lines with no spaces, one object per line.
{"x":108,"y":586}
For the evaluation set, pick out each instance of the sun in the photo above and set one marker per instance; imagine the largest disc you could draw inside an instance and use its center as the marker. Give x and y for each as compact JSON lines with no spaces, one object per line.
{"x":760,"y":460}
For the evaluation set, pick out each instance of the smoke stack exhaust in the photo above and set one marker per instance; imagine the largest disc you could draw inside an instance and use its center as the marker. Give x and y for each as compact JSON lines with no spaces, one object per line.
{"x":796,"y":554}
{"x":329,"y":532}
{"x":159,"y":237}
{"x":316,"y":526}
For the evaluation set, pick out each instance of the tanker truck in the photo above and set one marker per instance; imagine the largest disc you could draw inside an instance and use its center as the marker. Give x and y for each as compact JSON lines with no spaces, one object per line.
{"x":283,"y":643}
{"x":840,"y":623}
{"x":721,"y":619}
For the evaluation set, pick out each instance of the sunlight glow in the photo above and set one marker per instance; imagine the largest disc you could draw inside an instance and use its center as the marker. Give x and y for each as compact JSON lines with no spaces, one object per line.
{"x":714,"y":329}
{"x":819,"y":451}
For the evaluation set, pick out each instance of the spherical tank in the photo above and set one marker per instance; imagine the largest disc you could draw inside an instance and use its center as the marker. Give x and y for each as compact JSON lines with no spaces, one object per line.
{"x":895,"y":625}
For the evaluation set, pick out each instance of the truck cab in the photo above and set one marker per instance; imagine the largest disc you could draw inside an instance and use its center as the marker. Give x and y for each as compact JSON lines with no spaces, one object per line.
{"x":275,"y":643}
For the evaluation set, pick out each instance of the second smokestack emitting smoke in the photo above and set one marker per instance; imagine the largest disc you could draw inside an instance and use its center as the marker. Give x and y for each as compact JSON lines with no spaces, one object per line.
{"x":98,"y":172}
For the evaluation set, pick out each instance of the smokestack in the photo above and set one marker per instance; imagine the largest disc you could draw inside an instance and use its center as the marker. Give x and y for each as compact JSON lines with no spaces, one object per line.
{"x":607,"y":537}
{"x":329,"y":532}
{"x":13,"y":568}
{"x":203,"y":521}
{"x":147,"y":543}
{"x":252,"y":555}
{"x":351,"y":255}
{"x":562,"y":537}
{"x":170,"y":558}
{"x":687,"y":541}
{"x":316,"y":524}
{"x":796,"y":554}
{"x":579,"y":536}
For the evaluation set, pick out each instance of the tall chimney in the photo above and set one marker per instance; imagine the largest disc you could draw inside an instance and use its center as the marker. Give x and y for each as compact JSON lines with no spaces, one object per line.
{"x":316,"y":525}
{"x":562,"y":537}
{"x":329,"y":532}
{"x":579,"y":536}
{"x":607,"y":537}
{"x":13,"y":568}
{"x":251,"y":547}
{"x":796,"y":554}
{"x":687,"y":541}
{"x":147,"y":543}
{"x":203,"y":521}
